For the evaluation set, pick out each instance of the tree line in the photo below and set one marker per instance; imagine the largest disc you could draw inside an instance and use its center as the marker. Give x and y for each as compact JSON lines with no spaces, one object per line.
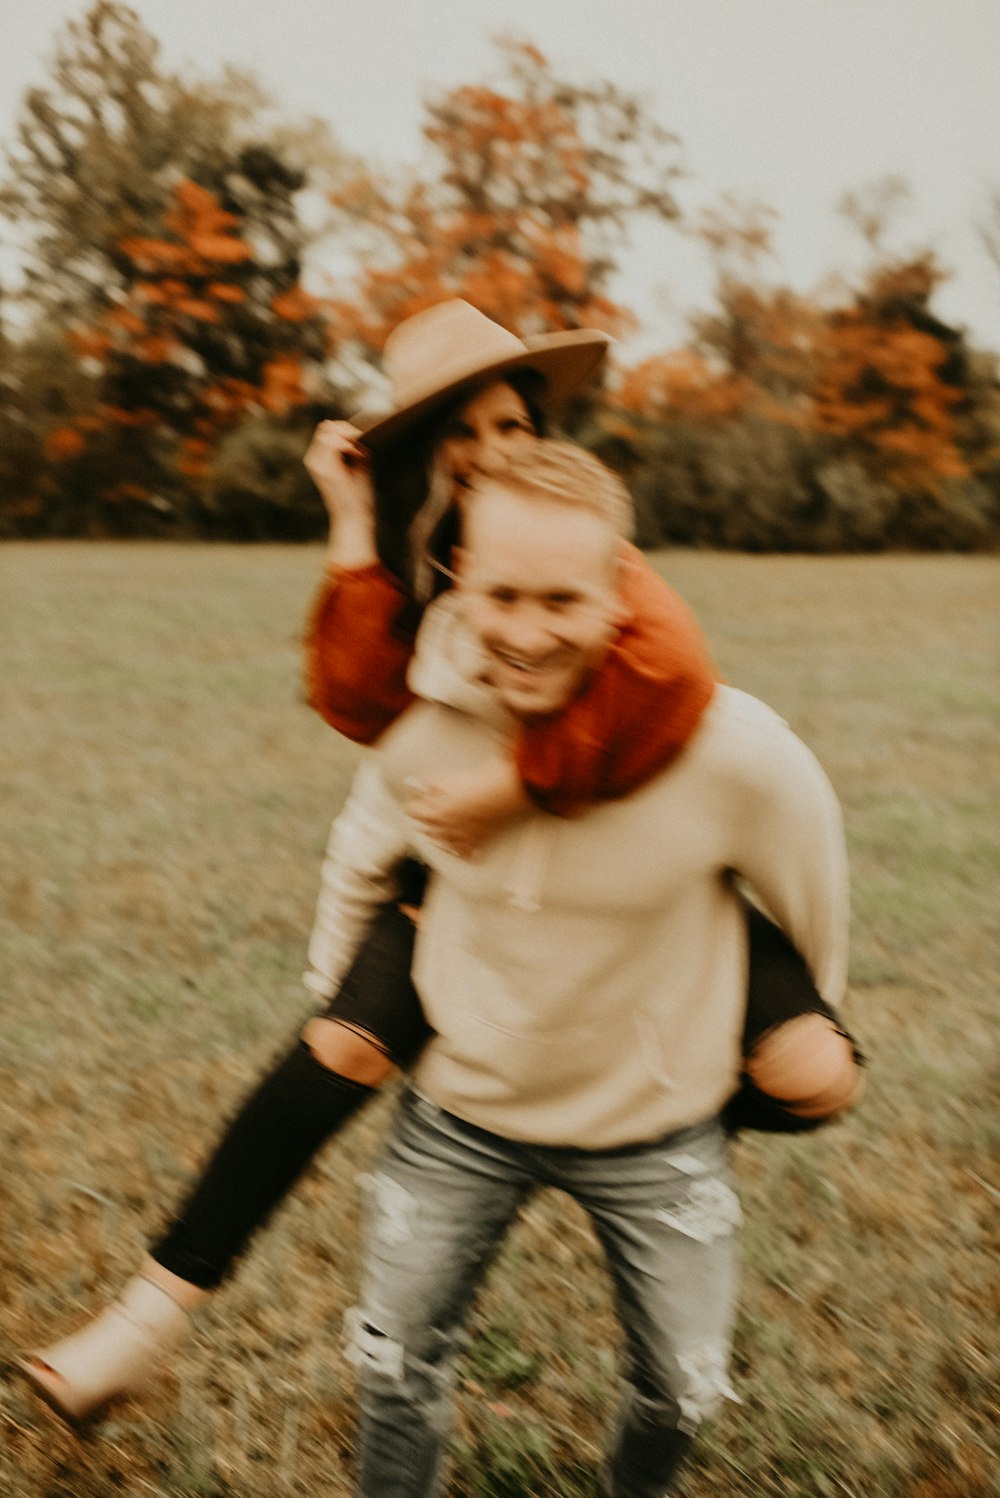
{"x":163,"y":363}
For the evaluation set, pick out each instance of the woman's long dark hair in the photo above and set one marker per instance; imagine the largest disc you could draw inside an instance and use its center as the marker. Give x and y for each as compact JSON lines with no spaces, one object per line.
{"x":402,"y":470}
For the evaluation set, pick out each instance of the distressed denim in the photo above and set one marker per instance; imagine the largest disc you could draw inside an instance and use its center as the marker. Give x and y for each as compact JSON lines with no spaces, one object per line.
{"x":440,"y":1201}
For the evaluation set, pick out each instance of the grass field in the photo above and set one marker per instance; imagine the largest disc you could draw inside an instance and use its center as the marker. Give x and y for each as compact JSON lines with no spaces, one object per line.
{"x":166,"y":796}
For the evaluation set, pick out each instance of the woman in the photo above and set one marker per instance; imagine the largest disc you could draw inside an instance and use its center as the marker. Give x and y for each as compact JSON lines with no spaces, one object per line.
{"x":467,"y":394}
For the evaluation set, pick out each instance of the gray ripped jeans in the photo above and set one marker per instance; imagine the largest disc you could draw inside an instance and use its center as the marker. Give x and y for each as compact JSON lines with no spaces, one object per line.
{"x":442,"y":1197}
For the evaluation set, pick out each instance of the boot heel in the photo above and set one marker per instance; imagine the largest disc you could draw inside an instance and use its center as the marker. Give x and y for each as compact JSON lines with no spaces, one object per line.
{"x":111,"y":1357}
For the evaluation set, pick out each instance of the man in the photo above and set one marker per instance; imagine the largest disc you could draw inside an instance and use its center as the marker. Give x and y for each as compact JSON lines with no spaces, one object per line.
{"x":585,"y":980}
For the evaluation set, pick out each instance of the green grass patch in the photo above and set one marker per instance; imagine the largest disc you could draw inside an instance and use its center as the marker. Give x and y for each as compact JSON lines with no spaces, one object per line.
{"x":166,"y":801}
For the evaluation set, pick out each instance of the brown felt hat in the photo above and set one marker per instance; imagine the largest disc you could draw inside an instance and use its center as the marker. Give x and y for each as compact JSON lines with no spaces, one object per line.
{"x":431,"y":355}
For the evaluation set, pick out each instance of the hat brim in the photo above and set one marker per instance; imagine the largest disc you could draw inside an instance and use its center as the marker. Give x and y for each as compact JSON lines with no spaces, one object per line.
{"x":566,"y":361}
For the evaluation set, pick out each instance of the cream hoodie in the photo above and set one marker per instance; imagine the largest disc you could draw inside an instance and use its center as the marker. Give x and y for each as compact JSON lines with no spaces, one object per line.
{"x":586,"y":978}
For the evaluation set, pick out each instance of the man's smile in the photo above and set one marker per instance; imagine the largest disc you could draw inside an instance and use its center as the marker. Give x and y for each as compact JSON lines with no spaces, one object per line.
{"x":523,"y":664}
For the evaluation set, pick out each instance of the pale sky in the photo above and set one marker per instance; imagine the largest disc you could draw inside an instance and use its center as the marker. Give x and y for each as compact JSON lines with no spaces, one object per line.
{"x":789,"y":101}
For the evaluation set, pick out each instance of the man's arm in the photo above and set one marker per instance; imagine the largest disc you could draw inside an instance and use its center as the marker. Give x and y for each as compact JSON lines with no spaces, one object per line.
{"x":791,"y":849}
{"x":368,"y":840}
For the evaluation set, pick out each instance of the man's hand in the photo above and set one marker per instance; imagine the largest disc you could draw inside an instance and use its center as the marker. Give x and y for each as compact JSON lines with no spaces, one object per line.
{"x":338,"y":466}
{"x":460,"y":812}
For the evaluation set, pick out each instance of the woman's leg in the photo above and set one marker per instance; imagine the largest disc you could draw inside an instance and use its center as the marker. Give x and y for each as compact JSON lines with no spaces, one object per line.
{"x":801,"y":1067}
{"x":343,"y":1056}
{"x":265,"y":1148}
{"x":373,"y":1024}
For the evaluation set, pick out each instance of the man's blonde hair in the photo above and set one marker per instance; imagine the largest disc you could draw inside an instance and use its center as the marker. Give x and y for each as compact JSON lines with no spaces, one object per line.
{"x":568,"y":475}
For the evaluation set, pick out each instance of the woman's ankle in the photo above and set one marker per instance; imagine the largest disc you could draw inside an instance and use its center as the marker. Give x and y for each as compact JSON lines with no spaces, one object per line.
{"x":186,"y":1295}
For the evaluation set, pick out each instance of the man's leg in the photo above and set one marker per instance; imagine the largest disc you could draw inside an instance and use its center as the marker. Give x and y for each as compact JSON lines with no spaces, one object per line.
{"x":667,"y":1217}
{"x":441,"y":1198}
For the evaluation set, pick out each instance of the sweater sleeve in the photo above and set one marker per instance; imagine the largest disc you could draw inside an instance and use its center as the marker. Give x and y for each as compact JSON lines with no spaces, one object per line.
{"x":792,"y":851}
{"x":636,"y":714}
{"x":358,"y":643}
{"x":368,"y":841}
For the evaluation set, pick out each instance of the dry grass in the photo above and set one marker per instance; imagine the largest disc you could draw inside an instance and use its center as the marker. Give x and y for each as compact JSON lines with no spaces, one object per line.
{"x":166,"y":796}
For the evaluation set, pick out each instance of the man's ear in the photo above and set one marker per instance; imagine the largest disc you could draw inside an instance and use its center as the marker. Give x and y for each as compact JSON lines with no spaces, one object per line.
{"x":619,"y":612}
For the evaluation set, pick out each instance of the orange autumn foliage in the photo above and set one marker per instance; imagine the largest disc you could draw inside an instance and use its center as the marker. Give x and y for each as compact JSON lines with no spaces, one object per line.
{"x":176,"y":278}
{"x":526,"y":276}
{"x":224,"y":400}
{"x":681,"y":383}
{"x":873,"y":376}
{"x":91,"y":343}
{"x":194,"y":457}
{"x":184,"y":283}
{"x":120,"y":493}
{"x":203,"y":235}
{"x":124,"y":317}
{"x":224,"y":293}
{"x":156,"y":348}
{"x":65,"y":443}
{"x":535,"y":182}
{"x":880,"y":385}
{"x":140,"y":417}
{"x":282,"y":386}
{"x":295,"y":305}
{"x":761,"y":341}
{"x":199,"y":308}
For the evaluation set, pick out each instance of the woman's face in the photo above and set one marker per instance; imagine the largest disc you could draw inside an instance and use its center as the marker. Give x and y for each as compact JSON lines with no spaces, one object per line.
{"x":490,"y":429}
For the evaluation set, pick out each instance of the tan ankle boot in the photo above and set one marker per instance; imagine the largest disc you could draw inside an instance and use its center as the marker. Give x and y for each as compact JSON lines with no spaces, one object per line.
{"x":112,"y":1356}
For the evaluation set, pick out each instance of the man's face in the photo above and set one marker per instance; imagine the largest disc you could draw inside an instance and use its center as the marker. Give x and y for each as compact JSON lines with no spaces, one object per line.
{"x":537,"y":580}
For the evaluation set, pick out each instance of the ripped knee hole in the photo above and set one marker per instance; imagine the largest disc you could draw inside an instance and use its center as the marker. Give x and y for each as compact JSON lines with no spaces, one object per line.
{"x":808,"y":1064}
{"x":370,"y":1348}
{"x":344,"y":1051}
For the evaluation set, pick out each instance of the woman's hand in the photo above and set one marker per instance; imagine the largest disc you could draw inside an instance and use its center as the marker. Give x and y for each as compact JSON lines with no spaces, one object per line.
{"x":338,"y":466}
{"x":461,"y":811}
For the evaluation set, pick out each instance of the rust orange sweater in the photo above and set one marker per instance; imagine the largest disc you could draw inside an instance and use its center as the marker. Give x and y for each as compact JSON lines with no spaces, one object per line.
{"x":636,"y":714}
